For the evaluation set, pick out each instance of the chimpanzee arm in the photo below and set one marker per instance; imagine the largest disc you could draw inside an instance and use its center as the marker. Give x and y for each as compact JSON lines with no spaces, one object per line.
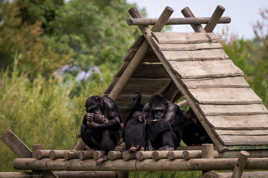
{"x":112,"y":114}
{"x":171,"y":112}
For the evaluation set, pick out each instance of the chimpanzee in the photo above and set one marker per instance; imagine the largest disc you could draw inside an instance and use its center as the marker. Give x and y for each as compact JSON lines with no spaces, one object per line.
{"x":100,"y":128}
{"x":134,"y":131}
{"x":164,"y":124}
{"x":194,"y":133}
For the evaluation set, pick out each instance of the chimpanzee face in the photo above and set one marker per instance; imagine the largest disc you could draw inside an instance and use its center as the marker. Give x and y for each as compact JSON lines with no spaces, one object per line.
{"x":94,"y":109}
{"x":94,"y":105}
{"x":159,"y":112}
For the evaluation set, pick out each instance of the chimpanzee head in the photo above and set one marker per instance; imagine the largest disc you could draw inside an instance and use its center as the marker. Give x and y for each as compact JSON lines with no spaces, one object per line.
{"x":94,"y":104}
{"x":138,"y":115}
{"x":159,"y":106}
{"x":191,"y":115}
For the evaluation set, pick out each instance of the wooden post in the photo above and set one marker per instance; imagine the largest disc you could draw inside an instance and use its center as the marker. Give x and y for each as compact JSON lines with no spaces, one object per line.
{"x":241,"y":164}
{"x":182,"y":103}
{"x":71,"y":155}
{"x":16,"y":144}
{"x":129,"y":155}
{"x":40,"y":154}
{"x":113,"y":155}
{"x":56,"y":154}
{"x":97,"y":154}
{"x":120,"y":84}
{"x":188,"y":13}
{"x":142,"y":155}
{"x":84,"y":155}
{"x":176,"y":21}
{"x":214,"y":19}
{"x":157,"y":155}
{"x":207,"y":152}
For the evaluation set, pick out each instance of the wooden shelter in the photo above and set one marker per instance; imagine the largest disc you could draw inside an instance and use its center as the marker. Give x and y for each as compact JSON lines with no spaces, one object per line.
{"x":192,"y":66}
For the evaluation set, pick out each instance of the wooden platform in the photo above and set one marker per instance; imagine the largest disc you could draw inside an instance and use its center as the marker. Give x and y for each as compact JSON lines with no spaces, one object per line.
{"x":194,"y":65}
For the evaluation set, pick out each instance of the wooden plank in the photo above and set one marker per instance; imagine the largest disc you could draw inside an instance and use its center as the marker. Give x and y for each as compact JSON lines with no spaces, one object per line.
{"x":185,"y":38}
{"x":243,"y":132}
{"x":255,"y":174}
{"x":197,"y":55}
{"x":127,"y":100}
{"x":232,"y":140}
{"x":146,"y":70}
{"x":250,"y":109}
{"x":205,"y":69}
{"x":16,"y":144}
{"x":225,"y":82}
{"x":251,"y":122}
{"x":189,"y":47}
{"x":145,"y":85}
{"x":225,"y":96}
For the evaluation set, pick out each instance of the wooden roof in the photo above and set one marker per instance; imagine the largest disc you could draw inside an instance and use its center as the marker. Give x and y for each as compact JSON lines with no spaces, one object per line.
{"x":194,"y":65}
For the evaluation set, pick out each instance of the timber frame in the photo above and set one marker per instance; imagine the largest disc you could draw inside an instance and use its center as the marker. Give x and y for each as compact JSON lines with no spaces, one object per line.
{"x":175,"y":65}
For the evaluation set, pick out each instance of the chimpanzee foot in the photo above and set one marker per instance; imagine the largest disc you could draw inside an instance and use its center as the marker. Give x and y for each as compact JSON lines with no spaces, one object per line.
{"x":101,"y":160}
{"x":133,"y":149}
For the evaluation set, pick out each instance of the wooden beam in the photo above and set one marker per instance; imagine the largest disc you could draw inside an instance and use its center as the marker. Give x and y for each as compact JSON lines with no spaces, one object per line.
{"x":141,"y":51}
{"x":61,"y":174}
{"x":177,"y":21}
{"x":188,"y":13}
{"x":214,"y":19}
{"x":135,"y":165}
{"x":241,"y":164}
{"x":16,"y":144}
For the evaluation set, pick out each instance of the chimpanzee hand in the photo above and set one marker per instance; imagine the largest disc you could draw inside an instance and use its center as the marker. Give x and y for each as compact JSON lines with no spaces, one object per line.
{"x":152,"y":122}
{"x":90,"y":116}
{"x":98,"y":118}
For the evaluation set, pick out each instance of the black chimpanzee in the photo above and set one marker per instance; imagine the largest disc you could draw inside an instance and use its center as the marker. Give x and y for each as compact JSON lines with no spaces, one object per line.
{"x":134,"y":131}
{"x":194,"y":133}
{"x":100,"y":128}
{"x":164,"y":123}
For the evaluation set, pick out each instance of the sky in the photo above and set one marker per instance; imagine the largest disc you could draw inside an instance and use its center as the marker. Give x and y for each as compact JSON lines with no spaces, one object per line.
{"x":244,"y":13}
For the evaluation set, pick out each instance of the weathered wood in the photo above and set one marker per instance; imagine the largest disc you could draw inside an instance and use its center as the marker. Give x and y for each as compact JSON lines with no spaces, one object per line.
{"x":208,"y":151}
{"x":126,"y":100}
{"x":80,"y":145}
{"x":16,"y":144}
{"x":238,"y":96}
{"x":177,"y":21}
{"x":139,"y":54}
{"x":255,"y":122}
{"x":182,"y":103}
{"x":157,"y":155}
{"x":233,"y":110}
{"x":188,"y":13}
{"x":113,"y":155}
{"x":61,"y":174}
{"x":225,"y":82}
{"x":71,"y":155}
{"x":241,"y":164}
{"x":150,"y":70}
{"x":189,"y":47}
{"x":56,"y":154}
{"x":145,"y":86}
{"x":129,"y":155}
{"x":40,"y":154}
{"x":243,"y":132}
{"x":185,"y":38}
{"x":214,"y":19}
{"x":205,"y":69}
{"x":197,"y":55}
{"x":134,"y":165}
{"x":186,"y":154}
{"x":142,"y":155}
{"x":182,"y":88}
{"x":254,"y":174}
{"x":97,"y":154}
{"x":189,"y":148}
{"x":244,"y":140}
{"x":133,"y":49}
{"x":84,"y":155}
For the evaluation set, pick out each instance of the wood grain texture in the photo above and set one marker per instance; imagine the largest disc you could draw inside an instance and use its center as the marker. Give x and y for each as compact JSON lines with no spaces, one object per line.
{"x":205,"y":69}
{"x":248,"y":109}
{"x":233,"y":140}
{"x":225,"y":96}
{"x":243,"y":132}
{"x":251,"y":122}
{"x":189,"y":47}
{"x":197,"y":55}
{"x":225,"y":82}
{"x":185,"y":38}
{"x":148,"y":70}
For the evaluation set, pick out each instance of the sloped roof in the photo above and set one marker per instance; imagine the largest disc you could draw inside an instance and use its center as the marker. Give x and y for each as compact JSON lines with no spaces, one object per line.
{"x":194,"y":65}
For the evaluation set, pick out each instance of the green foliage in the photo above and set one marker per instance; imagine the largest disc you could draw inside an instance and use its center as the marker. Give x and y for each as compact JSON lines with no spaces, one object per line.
{"x":41,"y":112}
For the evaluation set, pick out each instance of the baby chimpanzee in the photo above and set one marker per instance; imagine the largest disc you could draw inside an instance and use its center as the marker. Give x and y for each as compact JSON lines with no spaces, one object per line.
{"x":100,"y":128}
{"x":134,"y":131}
{"x":194,"y":133}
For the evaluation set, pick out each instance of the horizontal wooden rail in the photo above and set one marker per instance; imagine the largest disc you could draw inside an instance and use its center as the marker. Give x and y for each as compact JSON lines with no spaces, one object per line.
{"x":61,"y":174}
{"x":177,"y":21}
{"x":134,"y":165}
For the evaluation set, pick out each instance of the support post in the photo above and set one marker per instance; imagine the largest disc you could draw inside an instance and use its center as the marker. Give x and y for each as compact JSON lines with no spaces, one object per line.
{"x":188,"y":13}
{"x":214,"y":19}
{"x":207,"y":152}
{"x":241,"y":164}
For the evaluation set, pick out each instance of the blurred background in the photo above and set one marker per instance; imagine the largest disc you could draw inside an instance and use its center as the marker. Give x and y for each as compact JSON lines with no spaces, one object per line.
{"x":56,"y":53}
